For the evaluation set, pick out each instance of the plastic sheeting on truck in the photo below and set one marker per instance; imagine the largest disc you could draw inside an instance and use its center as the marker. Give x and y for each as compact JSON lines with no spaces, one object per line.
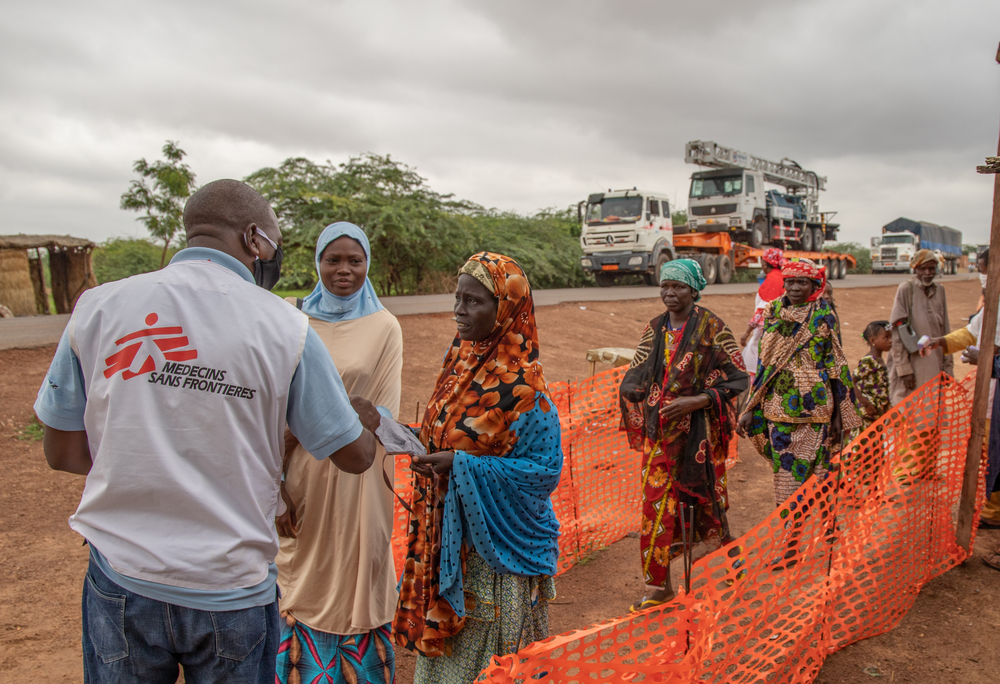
{"x":932,"y":236}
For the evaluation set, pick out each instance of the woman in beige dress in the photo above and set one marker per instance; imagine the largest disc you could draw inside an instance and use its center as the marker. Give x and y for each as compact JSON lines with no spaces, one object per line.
{"x":335,"y":567}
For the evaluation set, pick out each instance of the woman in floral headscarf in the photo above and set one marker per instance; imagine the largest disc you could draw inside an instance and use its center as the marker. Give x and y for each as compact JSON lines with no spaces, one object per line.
{"x":677,"y":407}
{"x":482,"y":543}
{"x":802,"y":398}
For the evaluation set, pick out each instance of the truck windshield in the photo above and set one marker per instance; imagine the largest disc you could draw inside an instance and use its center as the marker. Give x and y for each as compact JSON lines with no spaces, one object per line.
{"x":897,"y":240}
{"x":615,"y":210}
{"x":720,"y":185}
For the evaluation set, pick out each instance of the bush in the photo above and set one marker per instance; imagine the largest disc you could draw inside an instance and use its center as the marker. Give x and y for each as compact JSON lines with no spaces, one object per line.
{"x":862,"y":254}
{"x":119,"y":258}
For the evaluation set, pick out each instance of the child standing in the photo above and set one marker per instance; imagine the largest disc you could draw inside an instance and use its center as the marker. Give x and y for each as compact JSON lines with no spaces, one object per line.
{"x":871,"y":380}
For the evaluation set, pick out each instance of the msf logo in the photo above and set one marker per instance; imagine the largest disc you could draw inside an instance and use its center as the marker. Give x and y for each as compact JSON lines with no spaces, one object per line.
{"x":168,"y":340}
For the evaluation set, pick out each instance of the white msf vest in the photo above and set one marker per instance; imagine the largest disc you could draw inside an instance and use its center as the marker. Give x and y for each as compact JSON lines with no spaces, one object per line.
{"x":187,"y":373}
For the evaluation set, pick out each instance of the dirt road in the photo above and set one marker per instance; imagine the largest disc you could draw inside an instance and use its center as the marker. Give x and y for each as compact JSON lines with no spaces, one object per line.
{"x":949,"y":636}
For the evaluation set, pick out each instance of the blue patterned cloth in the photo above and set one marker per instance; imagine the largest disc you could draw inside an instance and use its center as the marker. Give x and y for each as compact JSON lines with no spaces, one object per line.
{"x":502,"y":506}
{"x":316,"y":656}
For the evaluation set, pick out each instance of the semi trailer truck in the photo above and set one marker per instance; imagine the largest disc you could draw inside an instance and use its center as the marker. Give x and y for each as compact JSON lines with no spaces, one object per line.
{"x":900,"y":240}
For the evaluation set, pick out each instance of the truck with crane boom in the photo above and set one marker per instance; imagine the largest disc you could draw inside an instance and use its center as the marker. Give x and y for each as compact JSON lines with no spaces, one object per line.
{"x":732,"y":198}
{"x":732,"y":218}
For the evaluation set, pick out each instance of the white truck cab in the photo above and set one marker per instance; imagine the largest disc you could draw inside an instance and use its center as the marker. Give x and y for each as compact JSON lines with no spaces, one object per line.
{"x":625,"y":232}
{"x":893,"y":252}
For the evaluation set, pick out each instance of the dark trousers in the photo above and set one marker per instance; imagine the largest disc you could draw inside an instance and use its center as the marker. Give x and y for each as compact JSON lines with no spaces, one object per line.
{"x":130,"y":638}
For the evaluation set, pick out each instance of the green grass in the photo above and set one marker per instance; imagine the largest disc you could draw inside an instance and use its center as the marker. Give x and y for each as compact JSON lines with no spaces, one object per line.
{"x":32,"y":432}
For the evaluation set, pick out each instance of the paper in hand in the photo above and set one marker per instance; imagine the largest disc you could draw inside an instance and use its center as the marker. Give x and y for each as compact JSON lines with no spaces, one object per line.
{"x":398,"y":439}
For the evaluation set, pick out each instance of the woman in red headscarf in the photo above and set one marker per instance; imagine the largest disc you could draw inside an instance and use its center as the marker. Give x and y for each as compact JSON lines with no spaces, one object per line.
{"x":802,"y":400}
{"x":482,"y":544}
{"x":772,"y":287}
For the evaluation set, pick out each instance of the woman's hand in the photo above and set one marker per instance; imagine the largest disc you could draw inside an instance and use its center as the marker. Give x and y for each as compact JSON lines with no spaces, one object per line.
{"x":935,"y":343}
{"x":286,"y":522}
{"x":909,"y":382}
{"x":743,"y":427}
{"x":633,"y":393}
{"x":367,"y":413}
{"x":679,"y":407}
{"x":836,"y":427}
{"x":430,"y":464}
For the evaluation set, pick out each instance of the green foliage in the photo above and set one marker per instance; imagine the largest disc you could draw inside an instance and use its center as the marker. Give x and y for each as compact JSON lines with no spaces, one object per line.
{"x":679,"y":218}
{"x":119,"y":258}
{"x":419,"y":237}
{"x":32,"y":432}
{"x":170,"y":182}
{"x":745,"y":275}
{"x":862,"y":254}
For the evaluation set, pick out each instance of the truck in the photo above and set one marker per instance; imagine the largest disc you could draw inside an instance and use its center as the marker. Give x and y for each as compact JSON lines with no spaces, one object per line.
{"x":901,"y":239}
{"x":625,"y":232}
{"x":732,"y":198}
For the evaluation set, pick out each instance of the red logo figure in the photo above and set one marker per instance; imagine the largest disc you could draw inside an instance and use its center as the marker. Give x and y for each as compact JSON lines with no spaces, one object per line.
{"x":166,"y":339}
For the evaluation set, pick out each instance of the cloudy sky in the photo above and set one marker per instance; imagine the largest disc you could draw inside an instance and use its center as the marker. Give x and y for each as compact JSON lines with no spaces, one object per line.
{"x":513,"y":104}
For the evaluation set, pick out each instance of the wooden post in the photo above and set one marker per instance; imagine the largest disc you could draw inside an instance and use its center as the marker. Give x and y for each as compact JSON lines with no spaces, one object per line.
{"x":984,"y":372}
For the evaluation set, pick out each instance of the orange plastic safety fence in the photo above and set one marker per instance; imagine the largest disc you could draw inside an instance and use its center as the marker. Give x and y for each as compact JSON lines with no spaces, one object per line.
{"x":840,"y":561}
{"x":598,"y":498}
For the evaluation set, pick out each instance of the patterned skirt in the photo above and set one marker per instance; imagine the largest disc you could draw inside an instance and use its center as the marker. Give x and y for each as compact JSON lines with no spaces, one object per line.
{"x":510,"y":612}
{"x":309,"y":655}
{"x":796,"y":451}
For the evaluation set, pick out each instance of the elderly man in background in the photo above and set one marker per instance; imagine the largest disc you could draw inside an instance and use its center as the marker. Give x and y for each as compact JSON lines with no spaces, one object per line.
{"x":920,"y":308}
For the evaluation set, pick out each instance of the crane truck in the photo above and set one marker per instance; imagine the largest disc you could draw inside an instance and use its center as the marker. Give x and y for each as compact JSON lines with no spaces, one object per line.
{"x":732,"y":218}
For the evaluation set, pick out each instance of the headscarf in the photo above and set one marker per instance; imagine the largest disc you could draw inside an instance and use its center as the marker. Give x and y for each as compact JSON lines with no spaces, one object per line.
{"x":923,"y":256}
{"x":495,"y":379}
{"x":686,"y":271}
{"x":773,"y":256}
{"x":326,"y":306}
{"x":806,"y":268}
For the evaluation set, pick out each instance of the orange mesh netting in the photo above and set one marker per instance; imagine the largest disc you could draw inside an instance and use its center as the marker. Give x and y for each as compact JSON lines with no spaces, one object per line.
{"x":841,"y":561}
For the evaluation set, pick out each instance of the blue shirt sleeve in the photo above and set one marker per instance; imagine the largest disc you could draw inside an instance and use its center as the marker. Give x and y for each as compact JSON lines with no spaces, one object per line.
{"x":62,"y":398}
{"x":319,"y":411}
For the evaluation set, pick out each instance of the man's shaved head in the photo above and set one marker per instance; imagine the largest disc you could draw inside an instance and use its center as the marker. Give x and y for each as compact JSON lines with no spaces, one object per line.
{"x":225,"y":206}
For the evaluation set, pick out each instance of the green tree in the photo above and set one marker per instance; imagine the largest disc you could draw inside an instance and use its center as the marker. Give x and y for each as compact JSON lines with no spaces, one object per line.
{"x":679,"y":218}
{"x":170,"y":182}
{"x":119,"y":258}
{"x":860,"y":253}
{"x":412,"y":229}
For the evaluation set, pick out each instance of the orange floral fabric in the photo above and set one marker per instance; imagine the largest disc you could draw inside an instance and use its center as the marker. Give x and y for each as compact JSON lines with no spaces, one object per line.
{"x":482,"y":389}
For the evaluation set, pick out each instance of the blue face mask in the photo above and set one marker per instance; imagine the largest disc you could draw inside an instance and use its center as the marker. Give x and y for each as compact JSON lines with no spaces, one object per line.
{"x":266,"y":272}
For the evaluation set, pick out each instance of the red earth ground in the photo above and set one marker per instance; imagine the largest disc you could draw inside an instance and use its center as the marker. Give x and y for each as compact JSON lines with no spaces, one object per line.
{"x":948,"y":636}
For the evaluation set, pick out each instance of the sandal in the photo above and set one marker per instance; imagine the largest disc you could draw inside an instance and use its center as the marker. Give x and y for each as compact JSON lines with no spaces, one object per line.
{"x":993,"y":560}
{"x":646,"y":603}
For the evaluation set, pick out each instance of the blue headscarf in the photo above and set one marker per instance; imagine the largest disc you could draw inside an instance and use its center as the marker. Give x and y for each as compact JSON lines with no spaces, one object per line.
{"x":326,"y":306}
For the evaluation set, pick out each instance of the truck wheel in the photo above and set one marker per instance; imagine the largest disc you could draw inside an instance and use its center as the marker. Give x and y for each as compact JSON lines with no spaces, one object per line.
{"x":725,"y":269}
{"x":806,"y":239}
{"x":709,"y":267}
{"x":842,"y":269}
{"x":758,"y":233}
{"x":604,"y":279}
{"x":653,"y":279}
{"x":818,"y":239}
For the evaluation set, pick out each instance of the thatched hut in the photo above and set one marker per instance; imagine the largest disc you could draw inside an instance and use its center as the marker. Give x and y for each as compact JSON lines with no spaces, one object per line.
{"x":22,"y":278}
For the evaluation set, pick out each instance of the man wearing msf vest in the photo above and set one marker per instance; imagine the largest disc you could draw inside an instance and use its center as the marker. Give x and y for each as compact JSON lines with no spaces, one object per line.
{"x":171,"y":391}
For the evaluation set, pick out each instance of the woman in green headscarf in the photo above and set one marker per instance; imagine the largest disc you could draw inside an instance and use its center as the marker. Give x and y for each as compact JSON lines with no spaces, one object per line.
{"x":677,"y":403}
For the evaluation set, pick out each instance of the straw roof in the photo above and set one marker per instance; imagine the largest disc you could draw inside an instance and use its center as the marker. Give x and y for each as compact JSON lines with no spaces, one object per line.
{"x":22,"y":241}
{"x":16,"y":289}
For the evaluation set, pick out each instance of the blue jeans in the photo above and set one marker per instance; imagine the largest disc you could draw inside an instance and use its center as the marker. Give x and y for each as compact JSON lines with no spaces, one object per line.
{"x":130,"y":638}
